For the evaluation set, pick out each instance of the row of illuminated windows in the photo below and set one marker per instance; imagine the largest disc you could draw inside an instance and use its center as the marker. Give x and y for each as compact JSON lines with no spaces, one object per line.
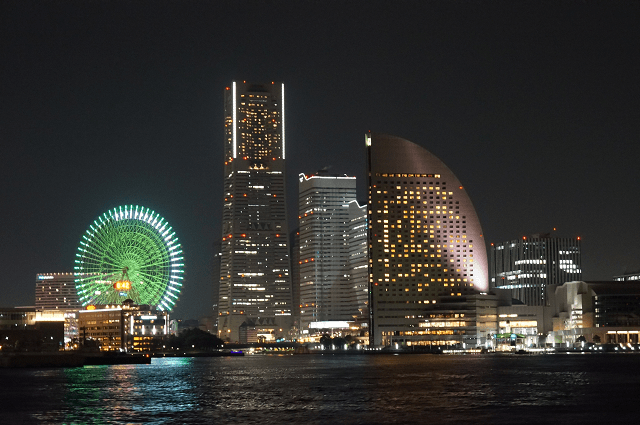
{"x":406,"y":185}
{"x":414,"y":191}
{"x":405,"y":175}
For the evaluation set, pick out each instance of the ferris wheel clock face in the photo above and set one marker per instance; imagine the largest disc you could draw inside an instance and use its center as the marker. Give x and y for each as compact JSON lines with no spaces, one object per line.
{"x":129,"y":252}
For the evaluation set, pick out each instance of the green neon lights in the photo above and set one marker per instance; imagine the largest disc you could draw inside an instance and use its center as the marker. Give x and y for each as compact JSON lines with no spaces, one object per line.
{"x":136,"y":240}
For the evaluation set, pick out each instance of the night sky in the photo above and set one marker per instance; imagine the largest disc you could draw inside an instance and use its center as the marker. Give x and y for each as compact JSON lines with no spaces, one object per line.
{"x":535,"y":106}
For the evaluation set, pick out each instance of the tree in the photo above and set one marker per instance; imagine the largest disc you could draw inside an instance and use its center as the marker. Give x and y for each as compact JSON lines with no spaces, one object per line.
{"x":196,"y":338}
{"x":326,"y":341}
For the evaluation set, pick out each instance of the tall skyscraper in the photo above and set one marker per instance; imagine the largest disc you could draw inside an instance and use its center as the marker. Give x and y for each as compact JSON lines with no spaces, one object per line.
{"x":326,"y":291}
{"x":426,"y":243}
{"x":358,"y":243}
{"x":526,"y":266}
{"x":255,"y":284}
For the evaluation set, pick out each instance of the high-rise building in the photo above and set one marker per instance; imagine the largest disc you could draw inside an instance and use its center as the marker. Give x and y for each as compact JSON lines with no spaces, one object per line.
{"x":426,"y":244}
{"x":359,"y":257}
{"x":527,"y":266}
{"x":56,"y":291}
{"x":294,"y":240}
{"x":326,"y":291}
{"x":254,"y":269}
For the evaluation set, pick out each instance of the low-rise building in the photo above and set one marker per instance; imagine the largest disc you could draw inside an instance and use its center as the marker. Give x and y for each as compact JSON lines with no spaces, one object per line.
{"x":31,"y":329}
{"x":126,"y":327}
{"x":596,"y":312}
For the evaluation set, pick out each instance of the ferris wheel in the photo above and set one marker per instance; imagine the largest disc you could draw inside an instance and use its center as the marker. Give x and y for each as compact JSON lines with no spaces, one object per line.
{"x":129,"y":252}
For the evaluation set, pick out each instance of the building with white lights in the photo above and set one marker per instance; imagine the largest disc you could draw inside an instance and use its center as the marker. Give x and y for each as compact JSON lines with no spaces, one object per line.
{"x":56,"y":291}
{"x":31,"y":329}
{"x":527,"y":266}
{"x":627,"y":277}
{"x":254,"y":269}
{"x":122,"y":327}
{"x":426,"y":245}
{"x":599,"y":312}
{"x":327,"y":289}
{"x":358,"y":243}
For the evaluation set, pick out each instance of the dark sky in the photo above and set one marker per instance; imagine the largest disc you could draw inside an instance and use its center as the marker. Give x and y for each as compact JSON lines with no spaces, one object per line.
{"x":534,"y":105}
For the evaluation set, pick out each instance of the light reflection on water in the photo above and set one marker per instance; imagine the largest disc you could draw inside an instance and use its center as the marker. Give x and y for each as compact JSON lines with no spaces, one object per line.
{"x":320,"y":389}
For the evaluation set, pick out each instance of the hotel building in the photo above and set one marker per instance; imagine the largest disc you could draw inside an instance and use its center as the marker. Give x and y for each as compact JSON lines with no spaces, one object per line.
{"x":527,"y":266}
{"x":426,"y":245}
{"x":254,"y":269}
{"x":56,"y":291}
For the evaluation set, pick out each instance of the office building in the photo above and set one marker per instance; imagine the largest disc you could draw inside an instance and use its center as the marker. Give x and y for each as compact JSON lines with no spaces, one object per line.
{"x":527,"y":266}
{"x":326,"y":290}
{"x":358,"y":244}
{"x":56,"y":291}
{"x":254,"y":269}
{"x":294,"y":240}
{"x":426,"y":242}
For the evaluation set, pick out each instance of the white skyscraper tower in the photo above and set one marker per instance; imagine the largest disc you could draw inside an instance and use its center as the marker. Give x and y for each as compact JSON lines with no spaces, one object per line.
{"x":327,"y":291}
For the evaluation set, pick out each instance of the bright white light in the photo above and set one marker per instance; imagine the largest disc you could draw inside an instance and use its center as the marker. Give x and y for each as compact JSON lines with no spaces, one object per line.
{"x":233,"y":93}
{"x":282,"y":101}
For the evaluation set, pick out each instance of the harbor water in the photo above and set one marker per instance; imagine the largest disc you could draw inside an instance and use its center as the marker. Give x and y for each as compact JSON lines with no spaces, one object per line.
{"x":327,"y":389}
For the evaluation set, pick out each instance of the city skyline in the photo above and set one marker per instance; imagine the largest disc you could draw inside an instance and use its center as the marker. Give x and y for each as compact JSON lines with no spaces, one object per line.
{"x":533,"y":106}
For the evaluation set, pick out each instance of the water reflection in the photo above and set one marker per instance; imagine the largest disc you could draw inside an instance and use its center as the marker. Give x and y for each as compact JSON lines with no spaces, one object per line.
{"x":320,"y":389}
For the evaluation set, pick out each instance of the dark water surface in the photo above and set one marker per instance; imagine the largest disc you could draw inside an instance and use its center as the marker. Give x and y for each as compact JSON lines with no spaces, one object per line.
{"x":326,"y":389}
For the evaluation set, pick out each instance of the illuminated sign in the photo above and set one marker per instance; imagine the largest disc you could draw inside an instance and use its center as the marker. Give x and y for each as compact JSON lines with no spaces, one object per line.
{"x":91,"y":307}
{"x":122,"y":285}
{"x":329,"y":324}
{"x":45,"y":277}
{"x":148,"y":317}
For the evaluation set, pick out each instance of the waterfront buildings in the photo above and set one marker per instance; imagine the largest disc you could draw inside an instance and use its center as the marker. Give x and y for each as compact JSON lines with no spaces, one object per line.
{"x":426,"y":244}
{"x":31,"y":329}
{"x":327,"y":292}
{"x":255,"y":283}
{"x":122,"y":327}
{"x":56,"y":291}
{"x":527,"y":266}
{"x":56,"y":295}
{"x":599,"y":312}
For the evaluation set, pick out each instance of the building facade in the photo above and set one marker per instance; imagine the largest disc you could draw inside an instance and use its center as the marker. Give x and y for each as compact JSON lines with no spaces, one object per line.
{"x":359,"y":258}
{"x":326,"y":291}
{"x":254,"y":267}
{"x":123,"y":327}
{"x":425,"y":239}
{"x":527,"y":266}
{"x":627,"y":277}
{"x":56,"y":291}
{"x":31,"y":329}
{"x":596,"y":312}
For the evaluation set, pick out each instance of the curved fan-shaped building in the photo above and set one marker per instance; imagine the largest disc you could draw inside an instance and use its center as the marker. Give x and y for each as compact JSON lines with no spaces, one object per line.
{"x":426,"y":244}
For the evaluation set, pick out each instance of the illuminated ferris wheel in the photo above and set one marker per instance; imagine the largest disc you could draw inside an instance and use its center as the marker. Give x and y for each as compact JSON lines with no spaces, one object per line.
{"x":129,"y":252}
